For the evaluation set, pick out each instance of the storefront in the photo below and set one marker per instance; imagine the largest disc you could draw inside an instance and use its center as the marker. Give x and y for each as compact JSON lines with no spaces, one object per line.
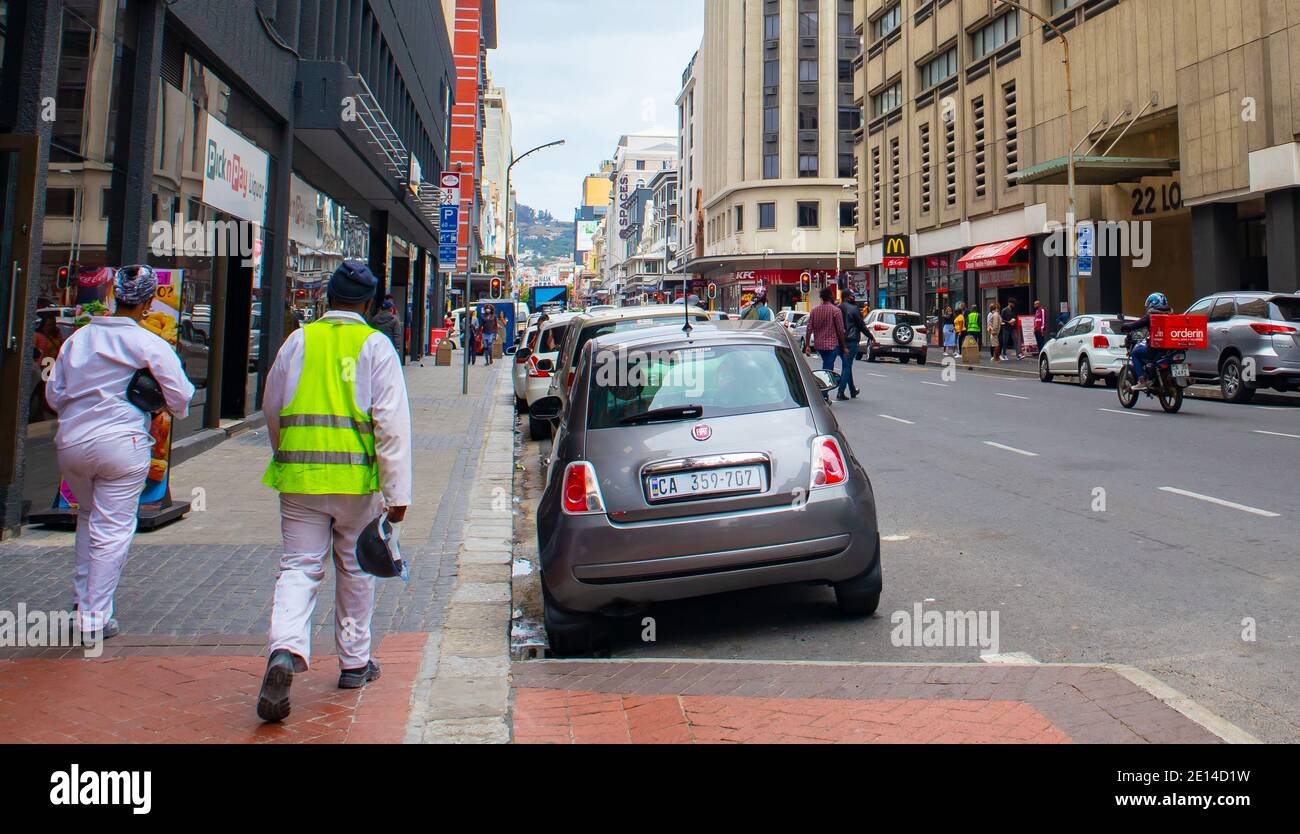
{"x":1003,"y":274}
{"x":944,"y":287}
{"x":891,"y":289}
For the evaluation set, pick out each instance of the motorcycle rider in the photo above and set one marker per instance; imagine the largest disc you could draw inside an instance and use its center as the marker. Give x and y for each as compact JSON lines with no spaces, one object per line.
{"x":1142,"y":356}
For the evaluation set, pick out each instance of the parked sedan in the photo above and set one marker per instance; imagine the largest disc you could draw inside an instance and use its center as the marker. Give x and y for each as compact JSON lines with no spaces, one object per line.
{"x":1090,"y":347}
{"x":693,"y":465}
{"x":1254,"y":342}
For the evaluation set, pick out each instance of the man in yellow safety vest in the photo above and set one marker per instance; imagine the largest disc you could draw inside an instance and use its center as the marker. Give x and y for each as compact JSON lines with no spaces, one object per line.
{"x":340,"y":427}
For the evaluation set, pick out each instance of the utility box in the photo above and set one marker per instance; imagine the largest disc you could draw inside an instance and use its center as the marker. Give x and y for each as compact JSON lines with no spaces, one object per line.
{"x":970,"y":351}
{"x":496,"y":349}
{"x":443,"y":353}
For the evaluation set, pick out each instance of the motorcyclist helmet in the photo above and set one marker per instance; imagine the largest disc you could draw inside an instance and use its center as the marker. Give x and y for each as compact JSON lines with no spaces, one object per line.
{"x":1157,"y":301}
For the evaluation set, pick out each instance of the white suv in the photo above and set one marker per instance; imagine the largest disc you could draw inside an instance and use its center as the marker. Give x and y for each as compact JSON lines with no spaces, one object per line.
{"x":896,"y":333}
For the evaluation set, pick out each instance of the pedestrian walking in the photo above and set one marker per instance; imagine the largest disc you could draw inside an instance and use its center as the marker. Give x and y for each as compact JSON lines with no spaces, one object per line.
{"x":488,"y":326}
{"x":1040,"y":323}
{"x":994,"y":327}
{"x":386,"y":322}
{"x":103,"y":441}
{"x":949,"y":324}
{"x":1009,"y":325}
{"x":341,"y":444}
{"x":475,"y":339}
{"x":855,"y":326}
{"x":973,"y":326}
{"x":959,"y":325}
{"x":826,"y":332}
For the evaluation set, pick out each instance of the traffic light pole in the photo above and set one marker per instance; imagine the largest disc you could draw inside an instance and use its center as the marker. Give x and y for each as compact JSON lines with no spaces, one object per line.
{"x":466,"y":335}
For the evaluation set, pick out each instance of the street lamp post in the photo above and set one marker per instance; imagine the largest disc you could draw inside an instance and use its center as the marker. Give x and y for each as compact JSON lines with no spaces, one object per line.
{"x":509,"y":237}
{"x":839,"y":238}
{"x":1073,"y":290}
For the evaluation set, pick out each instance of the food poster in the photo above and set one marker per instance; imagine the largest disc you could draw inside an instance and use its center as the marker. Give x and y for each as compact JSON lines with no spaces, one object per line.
{"x":94,"y":298}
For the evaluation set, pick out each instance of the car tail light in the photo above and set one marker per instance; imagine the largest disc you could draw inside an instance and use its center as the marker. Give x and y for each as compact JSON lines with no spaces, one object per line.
{"x":920,"y":330}
{"x":533,"y":371}
{"x":1100,"y":342}
{"x":568,"y":381}
{"x":880,"y":328}
{"x":1272,"y":329}
{"x":828,"y":467}
{"x":581,"y":494}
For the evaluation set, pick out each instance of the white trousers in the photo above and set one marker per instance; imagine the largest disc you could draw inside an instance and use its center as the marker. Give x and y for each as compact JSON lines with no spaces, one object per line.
{"x":107,"y":476}
{"x":314,"y":526}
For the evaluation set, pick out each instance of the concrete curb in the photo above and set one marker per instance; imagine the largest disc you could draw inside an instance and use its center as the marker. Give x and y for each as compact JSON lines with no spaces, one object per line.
{"x":209,"y":439}
{"x":1170,"y":697}
{"x":462,"y":691}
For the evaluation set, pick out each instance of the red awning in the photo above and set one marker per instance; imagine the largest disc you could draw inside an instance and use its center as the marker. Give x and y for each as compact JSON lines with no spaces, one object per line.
{"x":992,"y":255}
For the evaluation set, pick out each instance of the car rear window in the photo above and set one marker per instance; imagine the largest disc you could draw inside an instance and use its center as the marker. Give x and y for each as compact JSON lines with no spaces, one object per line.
{"x":1285,"y":309}
{"x":913,"y":319}
{"x":620,"y":326}
{"x":723,"y":380}
{"x":552,"y":338}
{"x":1112,"y":325}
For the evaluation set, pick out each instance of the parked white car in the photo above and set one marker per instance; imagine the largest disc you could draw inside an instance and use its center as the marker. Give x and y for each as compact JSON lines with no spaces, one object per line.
{"x":899,"y":334}
{"x":1090,"y":347}
{"x":535,"y":364}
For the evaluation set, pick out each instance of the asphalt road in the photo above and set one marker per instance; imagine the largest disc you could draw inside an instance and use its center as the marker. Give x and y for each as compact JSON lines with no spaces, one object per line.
{"x":1157,"y":578}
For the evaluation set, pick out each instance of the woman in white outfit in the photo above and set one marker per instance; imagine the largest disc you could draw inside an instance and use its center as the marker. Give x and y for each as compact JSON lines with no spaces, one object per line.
{"x":103,"y":440}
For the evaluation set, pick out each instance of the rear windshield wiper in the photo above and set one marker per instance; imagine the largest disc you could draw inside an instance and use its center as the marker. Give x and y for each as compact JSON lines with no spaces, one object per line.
{"x":673,"y":412}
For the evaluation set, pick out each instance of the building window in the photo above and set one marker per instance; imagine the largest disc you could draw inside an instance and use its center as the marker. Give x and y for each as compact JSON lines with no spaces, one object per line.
{"x":807,"y":70}
{"x":808,"y":165}
{"x":808,"y":117}
{"x":771,"y":119}
{"x":60,"y":202}
{"x":771,"y":166}
{"x":979,"y":128}
{"x":640,"y":164}
{"x":887,"y":100}
{"x":1059,"y":6}
{"x":950,"y":158}
{"x":939,"y":68}
{"x":993,"y":36}
{"x":772,"y":27}
{"x":740,"y":218}
{"x":1011,"y":123}
{"x":887,"y":22}
{"x":848,"y":210}
{"x":807,"y":24}
{"x":850,"y":119}
{"x":846,"y":166}
{"x":895,"y":181}
{"x":771,"y":73}
{"x":875,"y":187}
{"x":927,"y":183}
{"x":766,"y":216}
{"x":808,"y":215}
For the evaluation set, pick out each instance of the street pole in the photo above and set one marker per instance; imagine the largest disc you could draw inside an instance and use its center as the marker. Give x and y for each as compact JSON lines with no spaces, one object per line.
{"x":510,"y":273}
{"x":1072,"y":293}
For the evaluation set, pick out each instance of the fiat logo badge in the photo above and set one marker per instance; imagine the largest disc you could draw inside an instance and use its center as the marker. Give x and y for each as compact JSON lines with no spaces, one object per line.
{"x":701,"y":432}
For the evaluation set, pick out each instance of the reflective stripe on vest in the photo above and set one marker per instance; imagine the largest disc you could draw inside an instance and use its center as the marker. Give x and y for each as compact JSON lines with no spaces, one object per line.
{"x":327,"y":444}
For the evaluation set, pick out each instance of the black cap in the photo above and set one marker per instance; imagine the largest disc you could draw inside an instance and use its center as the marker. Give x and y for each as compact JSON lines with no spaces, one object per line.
{"x":353,"y":282}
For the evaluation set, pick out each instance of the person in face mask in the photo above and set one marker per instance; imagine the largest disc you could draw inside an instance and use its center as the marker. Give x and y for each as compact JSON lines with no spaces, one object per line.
{"x":103,"y":439}
{"x":339,"y":421}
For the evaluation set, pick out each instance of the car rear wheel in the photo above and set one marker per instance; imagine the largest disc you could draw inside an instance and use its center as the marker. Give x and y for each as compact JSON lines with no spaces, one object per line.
{"x":1044,"y":369}
{"x":1086,"y":379}
{"x":571,"y":633}
{"x":1234,"y":388}
{"x":904,"y":359}
{"x":920,"y":360}
{"x":857,"y":597}
{"x":538,"y":429}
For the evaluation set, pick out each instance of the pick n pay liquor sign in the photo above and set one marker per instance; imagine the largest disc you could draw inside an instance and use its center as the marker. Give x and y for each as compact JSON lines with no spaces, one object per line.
{"x":235,"y":173}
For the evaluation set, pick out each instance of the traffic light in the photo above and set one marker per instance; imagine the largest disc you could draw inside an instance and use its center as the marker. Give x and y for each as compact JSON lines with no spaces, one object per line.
{"x":805,"y":283}
{"x":496,"y":288}
{"x":61,"y":281}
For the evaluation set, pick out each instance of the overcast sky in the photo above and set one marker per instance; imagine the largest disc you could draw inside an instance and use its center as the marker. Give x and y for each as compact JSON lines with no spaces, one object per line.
{"x":587,"y":71}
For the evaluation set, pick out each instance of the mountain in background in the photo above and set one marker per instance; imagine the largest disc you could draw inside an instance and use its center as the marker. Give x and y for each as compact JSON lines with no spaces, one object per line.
{"x":542,"y":238}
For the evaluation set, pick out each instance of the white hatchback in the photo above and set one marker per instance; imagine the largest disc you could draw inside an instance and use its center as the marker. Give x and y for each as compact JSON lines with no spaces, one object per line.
{"x":535,"y":364}
{"x":1090,"y":347}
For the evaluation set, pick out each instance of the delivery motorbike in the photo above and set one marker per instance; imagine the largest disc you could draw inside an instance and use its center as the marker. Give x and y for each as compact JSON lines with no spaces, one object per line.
{"x":1171,"y":376}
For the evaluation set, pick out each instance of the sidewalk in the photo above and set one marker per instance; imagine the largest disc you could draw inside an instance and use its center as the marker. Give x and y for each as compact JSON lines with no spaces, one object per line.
{"x":195,"y":599}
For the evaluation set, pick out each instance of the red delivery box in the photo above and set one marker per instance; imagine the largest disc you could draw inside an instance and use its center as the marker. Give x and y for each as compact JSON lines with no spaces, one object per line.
{"x":1172,"y":332}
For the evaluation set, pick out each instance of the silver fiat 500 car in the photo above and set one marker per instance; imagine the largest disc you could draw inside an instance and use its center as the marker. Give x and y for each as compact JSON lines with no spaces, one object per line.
{"x":693,"y":464}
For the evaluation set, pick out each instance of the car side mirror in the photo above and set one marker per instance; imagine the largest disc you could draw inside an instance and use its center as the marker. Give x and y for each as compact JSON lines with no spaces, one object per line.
{"x":827,"y":379}
{"x":547,"y":408}
{"x":510,"y":351}
{"x":522,"y":353}
{"x":545,"y":366}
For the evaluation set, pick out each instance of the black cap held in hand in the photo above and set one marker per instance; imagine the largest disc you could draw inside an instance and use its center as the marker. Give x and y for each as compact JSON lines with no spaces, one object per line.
{"x":353,"y":282}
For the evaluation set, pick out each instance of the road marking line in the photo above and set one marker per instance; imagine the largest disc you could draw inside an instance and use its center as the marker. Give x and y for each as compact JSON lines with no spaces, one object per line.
{"x":935,"y":384}
{"x":1011,"y":396}
{"x":1277,"y":433}
{"x":895,"y":538}
{"x":1212,"y":500}
{"x":897,"y":419}
{"x":1125,"y":413}
{"x":1011,"y":449}
{"x":1009,"y":658}
{"x":879,"y":376}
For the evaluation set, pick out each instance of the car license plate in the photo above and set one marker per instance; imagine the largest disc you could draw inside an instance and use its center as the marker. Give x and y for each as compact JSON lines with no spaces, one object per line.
{"x":1181,"y":371}
{"x":732,"y":479}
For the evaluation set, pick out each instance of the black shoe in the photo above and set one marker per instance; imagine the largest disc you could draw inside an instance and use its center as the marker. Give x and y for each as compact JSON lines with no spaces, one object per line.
{"x":841,"y":398}
{"x":855,"y":393}
{"x":273,"y":701}
{"x":357,"y":678}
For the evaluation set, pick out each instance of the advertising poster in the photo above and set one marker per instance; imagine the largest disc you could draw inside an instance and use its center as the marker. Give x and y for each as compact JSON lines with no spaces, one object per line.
{"x":94,"y":298}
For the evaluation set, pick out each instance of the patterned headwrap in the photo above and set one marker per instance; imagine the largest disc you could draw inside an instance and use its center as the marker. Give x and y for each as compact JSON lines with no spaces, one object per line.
{"x":135,"y":284}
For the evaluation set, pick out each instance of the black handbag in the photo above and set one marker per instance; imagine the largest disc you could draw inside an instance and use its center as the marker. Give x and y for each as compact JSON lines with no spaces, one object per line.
{"x":144,"y":392}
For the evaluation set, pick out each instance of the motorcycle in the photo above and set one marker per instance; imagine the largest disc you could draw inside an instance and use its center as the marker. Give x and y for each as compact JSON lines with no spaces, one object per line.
{"x":1171,"y":376}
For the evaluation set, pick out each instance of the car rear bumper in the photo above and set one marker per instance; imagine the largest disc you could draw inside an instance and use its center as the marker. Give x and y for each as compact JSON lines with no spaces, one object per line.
{"x":591,"y":564}
{"x":894,"y":350}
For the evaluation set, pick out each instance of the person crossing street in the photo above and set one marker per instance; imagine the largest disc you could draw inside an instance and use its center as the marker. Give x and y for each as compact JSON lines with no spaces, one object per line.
{"x":339,"y":421}
{"x":826,"y":332}
{"x":854,"y":328}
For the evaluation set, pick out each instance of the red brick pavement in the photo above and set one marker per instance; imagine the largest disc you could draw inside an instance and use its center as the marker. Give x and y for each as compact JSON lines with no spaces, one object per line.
{"x":165,"y":694}
{"x":700,"y":702}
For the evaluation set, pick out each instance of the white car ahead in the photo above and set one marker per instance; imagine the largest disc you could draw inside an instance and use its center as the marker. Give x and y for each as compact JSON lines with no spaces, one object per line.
{"x":1090,"y":347}
{"x":896,"y":333}
{"x":535,"y":364}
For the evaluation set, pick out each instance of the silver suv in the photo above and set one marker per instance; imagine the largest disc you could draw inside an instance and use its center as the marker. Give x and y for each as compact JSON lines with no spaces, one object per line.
{"x":1254,"y":343}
